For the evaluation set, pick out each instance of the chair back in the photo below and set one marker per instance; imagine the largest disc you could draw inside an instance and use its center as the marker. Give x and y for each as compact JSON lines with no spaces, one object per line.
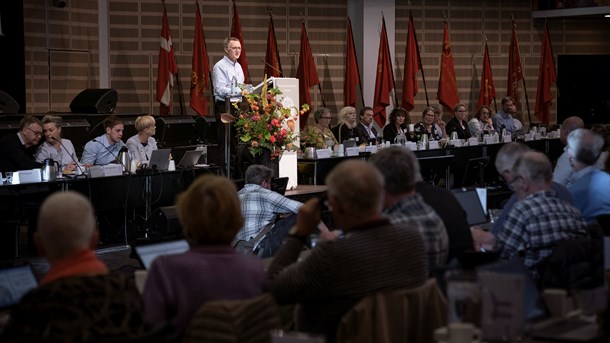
{"x":233,"y":321}
{"x":406,"y":315}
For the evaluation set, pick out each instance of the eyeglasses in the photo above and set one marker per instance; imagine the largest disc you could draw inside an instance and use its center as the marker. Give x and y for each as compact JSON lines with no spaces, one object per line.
{"x":329,"y":118}
{"x":36,"y":133}
{"x":235,"y":48}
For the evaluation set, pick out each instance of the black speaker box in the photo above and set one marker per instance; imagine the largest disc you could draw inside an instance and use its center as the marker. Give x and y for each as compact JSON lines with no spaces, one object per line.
{"x":163,"y":223}
{"x":8,"y":105}
{"x":176,"y":131}
{"x":95,"y":100}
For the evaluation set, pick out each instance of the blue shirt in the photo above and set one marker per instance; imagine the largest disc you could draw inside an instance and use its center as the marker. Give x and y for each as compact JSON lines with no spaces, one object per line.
{"x":503,"y":120}
{"x":225,"y":75}
{"x":591,"y":191}
{"x":98,"y":151}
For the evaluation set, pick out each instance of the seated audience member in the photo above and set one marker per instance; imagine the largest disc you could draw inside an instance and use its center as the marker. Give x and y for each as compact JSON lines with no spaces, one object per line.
{"x":482,"y":121}
{"x":56,"y":147}
{"x":563,"y":169}
{"x":177,"y":285}
{"x":458,"y":122}
{"x":589,"y":186}
{"x":435,"y":129}
{"x":260,"y":205}
{"x":17,"y":150}
{"x":77,"y":299}
{"x":365,"y":129}
{"x":345,"y":130}
{"x":105,"y":149}
{"x":372,"y":256}
{"x":321,"y":128}
{"x":142,"y":144}
{"x":403,"y":206}
{"x":397,"y":127}
{"x":539,"y":218}
{"x":503,"y":119}
{"x":604,"y":131}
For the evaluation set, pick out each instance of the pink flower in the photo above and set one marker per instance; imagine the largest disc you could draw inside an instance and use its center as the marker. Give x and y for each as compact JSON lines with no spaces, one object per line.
{"x":275,"y":122}
{"x":272,"y":139}
{"x":254,"y":144}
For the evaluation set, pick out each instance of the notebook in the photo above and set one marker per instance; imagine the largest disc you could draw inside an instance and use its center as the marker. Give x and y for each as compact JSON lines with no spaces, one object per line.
{"x":159,"y":159}
{"x":189,"y":159}
{"x":471,"y":203}
{"x":15,"y":282}
{"x":148,"y":251}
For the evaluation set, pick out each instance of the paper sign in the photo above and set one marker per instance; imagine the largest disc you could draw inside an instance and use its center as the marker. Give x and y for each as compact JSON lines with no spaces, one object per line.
{"x":371,"y":148}
{"x":506,"y":138}
{"x":323,"y":153}
{"x":353,"y":151}
{"x":433,"y":145}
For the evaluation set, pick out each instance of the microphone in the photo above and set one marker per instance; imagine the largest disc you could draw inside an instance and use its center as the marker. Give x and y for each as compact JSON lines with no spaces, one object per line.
{"x":123,"y":148}
{"x":272,"y":67}
{"x":71,"y":156}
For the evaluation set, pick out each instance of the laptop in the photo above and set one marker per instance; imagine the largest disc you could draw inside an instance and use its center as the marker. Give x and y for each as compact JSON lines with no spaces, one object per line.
{"x":471,"y":203}
{"x":159,"y":159}
{"x":148,"y":251}
{"x":189,"y":159}
{"x":15,"y":282}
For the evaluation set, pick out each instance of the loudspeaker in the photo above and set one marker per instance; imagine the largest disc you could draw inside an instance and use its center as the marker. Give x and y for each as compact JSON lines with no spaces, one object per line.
{"x":95,"y":100}
{"x":8,"y":105}
{"x":163,"y":223}
{"x":176,"y":131}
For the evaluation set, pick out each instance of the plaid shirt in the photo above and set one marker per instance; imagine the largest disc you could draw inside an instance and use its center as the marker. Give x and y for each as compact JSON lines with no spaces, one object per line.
{"x":259,"y":207}
{"x":414,"y":212}
{"x":535,"y":224}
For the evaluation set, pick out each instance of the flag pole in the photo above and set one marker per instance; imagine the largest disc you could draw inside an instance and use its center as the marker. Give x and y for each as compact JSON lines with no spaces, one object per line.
{"x":357,"y":66}
{"x":391,"y":66}
{"x":419,"y":61}
{"x":527,"y":101}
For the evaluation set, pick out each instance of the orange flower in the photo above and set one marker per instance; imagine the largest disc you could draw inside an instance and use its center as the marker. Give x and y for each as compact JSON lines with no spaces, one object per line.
{"x":254,"y":144}
{"x":272,"y":139}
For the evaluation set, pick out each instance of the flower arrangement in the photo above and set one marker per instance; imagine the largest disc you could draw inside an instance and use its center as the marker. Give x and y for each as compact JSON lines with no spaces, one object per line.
{"x":266,"y":123}
{"x":312,"y":137}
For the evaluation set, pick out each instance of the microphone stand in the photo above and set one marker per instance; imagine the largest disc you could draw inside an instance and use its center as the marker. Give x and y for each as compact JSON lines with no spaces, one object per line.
{"x":71,"y":156}
{"x":272,"y":67}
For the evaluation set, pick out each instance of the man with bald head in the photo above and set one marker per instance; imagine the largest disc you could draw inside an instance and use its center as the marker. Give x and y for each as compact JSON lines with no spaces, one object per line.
{"x":563,"y":169}
{"x":78,"y":298}
{"x":372,"y":255}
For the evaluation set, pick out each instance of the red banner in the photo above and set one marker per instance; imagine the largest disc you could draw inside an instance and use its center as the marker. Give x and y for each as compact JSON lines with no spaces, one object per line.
{"x":546,"y":77}
{"x":384,"y":81}
{"x":412,"y":66}
{"x":236,"y":32}
{"x":200,"y":82}
{"x":447,"y":86}
{"x":306,"y":73}
{"x":488,"y":90}
{"x":166,"y":69}
{"x":273,"y":67}
{"x":352,"y":75}
{"x":515,"y":70}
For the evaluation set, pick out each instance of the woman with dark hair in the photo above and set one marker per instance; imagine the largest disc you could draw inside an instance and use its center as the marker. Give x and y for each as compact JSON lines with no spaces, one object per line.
{"x":397,"y":125}
{"x":458,"y":122}
{"x":428,"y":126}
{"x":482,"y":121}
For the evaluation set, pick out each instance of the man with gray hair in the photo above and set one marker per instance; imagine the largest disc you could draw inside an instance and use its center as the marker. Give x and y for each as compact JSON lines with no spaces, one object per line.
{"x":403,"y":206}
{"x":372,"y":256}
{"x":589,"y":186}
{"x":563,"y":168}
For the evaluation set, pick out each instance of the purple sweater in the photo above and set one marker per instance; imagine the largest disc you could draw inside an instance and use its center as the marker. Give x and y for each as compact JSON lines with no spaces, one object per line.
{"x":177,"y":285}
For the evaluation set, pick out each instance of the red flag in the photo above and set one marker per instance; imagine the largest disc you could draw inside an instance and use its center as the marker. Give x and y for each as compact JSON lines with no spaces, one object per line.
{"x":236,"y":32}
{"x":306,"y":73}
{"x":352,"y":74}
{"x":515,"y":71}
{"x":167,"y":68}
{"x":412,"y":66}
{"x":447,"y":86}
{"x":546,"y":77}
{"x":384,"y":81}
{"x":488,"y":90}
{"x":272,"y":57}
{"x":200,"y":70}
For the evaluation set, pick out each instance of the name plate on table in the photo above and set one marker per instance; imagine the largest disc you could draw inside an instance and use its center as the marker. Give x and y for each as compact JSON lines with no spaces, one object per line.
{"x":323,"y":153}
{"x":107,"y":170}
{"x":456,"y":142}
{"x":528,"y":137}
{"x":26,"y":176}
{"x":506,"y":138}
{"x":353,"y":151}
{"x":433,"y":145}
{"x":411,"y":146}
{"x":371,"y":148}
{"x":489,"y":140}
{"x":473,"y":141}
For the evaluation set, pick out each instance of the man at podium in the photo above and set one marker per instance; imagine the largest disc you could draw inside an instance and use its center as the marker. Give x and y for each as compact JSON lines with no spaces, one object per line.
{"x":226,"y":77}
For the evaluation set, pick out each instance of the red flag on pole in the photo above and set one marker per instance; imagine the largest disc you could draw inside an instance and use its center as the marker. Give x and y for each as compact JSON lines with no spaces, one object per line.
{"x":384,"y":81}
{"x":352,"y":75}
{"x":166,"y":69}
{"x":447,"y":86}
{"x":236,"y":32}
{"x":306,"y":73}
{"x":546,"y":77}
{"x":412,"y":66}
{"x":515,"y":70}
{"x":488,"y":90}
{"x":201,"y":69}
{"x":272,"y":57}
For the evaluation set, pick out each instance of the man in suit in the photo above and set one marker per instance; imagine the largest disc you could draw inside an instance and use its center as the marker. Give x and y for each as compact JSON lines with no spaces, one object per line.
{"x":17,"y":150}
{"x":365,"y":130}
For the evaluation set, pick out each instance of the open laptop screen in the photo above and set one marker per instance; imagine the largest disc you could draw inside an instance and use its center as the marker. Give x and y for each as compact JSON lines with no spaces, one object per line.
{"x":148,"y":252}
{"x":470,"y":202}
{"x":14,"y":283}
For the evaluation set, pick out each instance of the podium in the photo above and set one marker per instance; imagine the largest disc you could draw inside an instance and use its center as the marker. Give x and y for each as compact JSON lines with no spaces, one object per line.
{"x":289,"y":98}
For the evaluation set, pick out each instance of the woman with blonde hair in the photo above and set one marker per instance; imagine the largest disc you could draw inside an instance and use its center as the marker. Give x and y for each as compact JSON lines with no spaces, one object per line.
{"x":56,"y":147}
{"x":177,"y":285}
{"x":347,"y":123}
{"x":142,"y":144}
